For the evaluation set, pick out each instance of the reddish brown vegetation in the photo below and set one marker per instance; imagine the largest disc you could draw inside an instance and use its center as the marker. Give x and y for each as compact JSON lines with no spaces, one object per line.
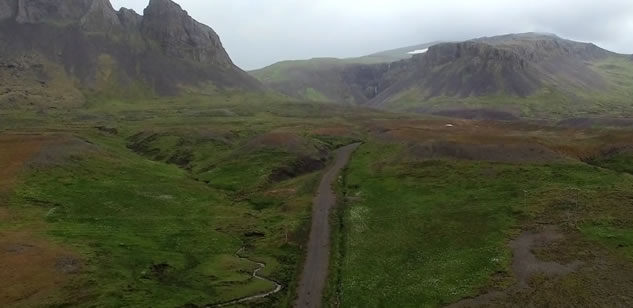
{"x":336,"y":131}
{"x":502,"y":142}
{"x":15,"y":150}
{"x":31,"y":268}
{"x":278,"y":140}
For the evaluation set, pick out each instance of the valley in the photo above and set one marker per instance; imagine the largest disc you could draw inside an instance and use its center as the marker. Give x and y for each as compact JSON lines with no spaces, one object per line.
{"x":426,"y":211}
{"x":141,"y":167}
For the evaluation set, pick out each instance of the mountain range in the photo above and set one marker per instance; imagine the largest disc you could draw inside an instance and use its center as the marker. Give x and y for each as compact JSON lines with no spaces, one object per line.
{"x":58,"y":52}
{"x":528,"y":73}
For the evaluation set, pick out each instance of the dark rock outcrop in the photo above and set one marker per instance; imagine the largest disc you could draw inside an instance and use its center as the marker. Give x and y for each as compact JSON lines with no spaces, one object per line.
{"x":35,"y":11}
{"x":100,"y":17}
{"x":449,"y":52}
{"x":8,"y":9}
{"x":473,"y":68}
{"x":129,"y":19}
{"x":95,"y":48}
{"x":87,"y":46}
{"x":181,"y":36}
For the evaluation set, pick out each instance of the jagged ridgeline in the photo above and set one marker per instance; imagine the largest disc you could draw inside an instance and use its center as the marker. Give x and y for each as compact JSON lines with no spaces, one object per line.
{"x":54,"y":51}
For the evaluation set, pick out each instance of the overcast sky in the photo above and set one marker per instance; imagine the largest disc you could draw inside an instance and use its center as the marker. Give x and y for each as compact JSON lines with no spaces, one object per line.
{"x":257,"y":33}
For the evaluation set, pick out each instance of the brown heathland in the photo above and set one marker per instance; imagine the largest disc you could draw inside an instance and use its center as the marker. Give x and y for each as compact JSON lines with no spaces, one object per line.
{"x":31,"y":267}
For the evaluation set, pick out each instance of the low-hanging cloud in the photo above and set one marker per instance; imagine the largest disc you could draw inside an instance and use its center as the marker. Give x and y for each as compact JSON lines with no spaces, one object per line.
{"x":258,"y":33}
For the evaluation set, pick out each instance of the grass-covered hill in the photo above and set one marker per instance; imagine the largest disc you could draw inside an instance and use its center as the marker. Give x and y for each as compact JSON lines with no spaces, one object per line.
{"x":530,"y":74}
{"x":332,"y":79}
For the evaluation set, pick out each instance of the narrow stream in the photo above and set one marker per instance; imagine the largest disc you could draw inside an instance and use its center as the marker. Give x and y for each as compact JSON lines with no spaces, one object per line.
{"x":315,"y":271}
{"x":255,"y":275}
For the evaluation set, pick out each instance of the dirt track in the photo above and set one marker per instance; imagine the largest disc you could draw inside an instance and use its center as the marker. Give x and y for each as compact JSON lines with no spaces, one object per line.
{"x":315,"y":271}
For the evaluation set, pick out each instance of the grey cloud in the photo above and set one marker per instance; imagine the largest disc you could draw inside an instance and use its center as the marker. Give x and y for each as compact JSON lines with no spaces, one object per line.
{"x":258,"y":33}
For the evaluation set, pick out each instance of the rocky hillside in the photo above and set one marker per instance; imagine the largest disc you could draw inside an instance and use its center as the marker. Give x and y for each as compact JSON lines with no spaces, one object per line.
{"x":503,"y":72}
{"x":333,"y":79}
{"x":59,"y":50}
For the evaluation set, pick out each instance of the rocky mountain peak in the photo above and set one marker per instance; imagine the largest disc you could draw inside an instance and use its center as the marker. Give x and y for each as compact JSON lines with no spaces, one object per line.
{"x":92,"y":15}
{"x":101,"y":17}
{"x":181,"y":36}
{"x":164,"y":5}
{"x":129,"y":19}
{"x":165,"y":51}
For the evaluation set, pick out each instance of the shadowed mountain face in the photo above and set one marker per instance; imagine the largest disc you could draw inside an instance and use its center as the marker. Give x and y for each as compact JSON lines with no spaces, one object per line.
{"x":514,"y":66}
{"x":85,"y":45}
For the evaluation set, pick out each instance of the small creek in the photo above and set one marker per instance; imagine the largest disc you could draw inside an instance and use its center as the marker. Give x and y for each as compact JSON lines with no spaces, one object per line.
{"x":255,"y":275}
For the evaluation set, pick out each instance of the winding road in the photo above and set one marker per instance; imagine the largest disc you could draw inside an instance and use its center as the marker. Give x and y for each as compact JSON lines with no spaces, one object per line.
{"x":315,"y":271}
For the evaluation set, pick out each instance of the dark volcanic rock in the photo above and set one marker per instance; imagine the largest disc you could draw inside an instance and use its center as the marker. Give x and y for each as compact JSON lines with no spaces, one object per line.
{"x":101,"y":17}
{"x":86,"y":44}
{"x":471,"y":68}
{"x":34,"y":11}
{"x":129,"y":19}
{"x":448,"y":52}
{"x":365,"y":81}
{"x":181,"y":36}
{"x":7,"y":9}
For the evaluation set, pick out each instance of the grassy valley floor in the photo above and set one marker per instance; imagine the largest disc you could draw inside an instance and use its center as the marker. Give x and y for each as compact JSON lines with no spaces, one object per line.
{"x":429,"y":228}
{"x":125,"y":203}
{"x":149,"y":202}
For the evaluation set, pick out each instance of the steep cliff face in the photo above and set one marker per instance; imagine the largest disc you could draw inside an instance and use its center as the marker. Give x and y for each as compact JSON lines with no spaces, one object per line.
{"x":471,"y":68}
{"x":86,"y":43}
{"x":129,"y":19}
{"x":34,"y":11}
{"x":181,"y":36}
{"x":8,"y":9}
{"x":450,"y":52}
{"x":100,"y":17}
